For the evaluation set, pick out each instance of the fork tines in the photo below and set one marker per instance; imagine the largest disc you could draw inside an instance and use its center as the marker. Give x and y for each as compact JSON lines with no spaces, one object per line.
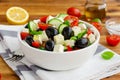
{"x":15,"y":57}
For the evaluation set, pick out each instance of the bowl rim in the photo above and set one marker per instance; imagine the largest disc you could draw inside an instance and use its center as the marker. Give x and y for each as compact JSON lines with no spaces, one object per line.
{"x":108,"y":21}
{"x":51,"y":52}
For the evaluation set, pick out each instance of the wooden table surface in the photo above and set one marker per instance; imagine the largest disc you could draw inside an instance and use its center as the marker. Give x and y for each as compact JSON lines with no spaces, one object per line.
{"x":37,"y":8}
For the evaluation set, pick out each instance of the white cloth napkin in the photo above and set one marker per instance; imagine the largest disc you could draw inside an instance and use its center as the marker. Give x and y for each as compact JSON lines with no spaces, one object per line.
{"x":96,"y":68}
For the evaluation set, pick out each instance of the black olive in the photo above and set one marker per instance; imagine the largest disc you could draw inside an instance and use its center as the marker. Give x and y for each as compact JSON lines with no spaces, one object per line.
{"x":29,"y":40}
{"x":26,"y":26}
{"x":67,"y":32}
{"x":81,"y":43}
{"x":51,"y":32}
{"x":49,"y":45}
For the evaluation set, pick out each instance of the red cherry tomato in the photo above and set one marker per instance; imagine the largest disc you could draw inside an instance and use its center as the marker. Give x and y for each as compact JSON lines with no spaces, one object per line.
{"x":69,"y":48}
{"x":43,"y":26}
{"x":43,"y":19}
{"x":74,"y":12}
{"x":24,"y":35}
{"x":74,"y":23}
{"x":36,"y":44}
{"x":97,"y":25}
{"x":89,"y":31}
{"x":72,"y":20}
{"x":113,"y":40}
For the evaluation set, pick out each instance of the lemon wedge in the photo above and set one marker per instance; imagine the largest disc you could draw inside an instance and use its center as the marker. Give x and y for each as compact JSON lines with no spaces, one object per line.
{"x":17,"y":15}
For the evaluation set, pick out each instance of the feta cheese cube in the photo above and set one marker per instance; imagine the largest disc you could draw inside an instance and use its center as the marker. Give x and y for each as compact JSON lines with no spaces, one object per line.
{"x":85,"y":35}
{"x":69,"y":42}
{"x":44,"y":36}
{"x":82,"y":26}
{"x":37,"y":38}
{"x":59,"y":39}
{"x":76,"y":30}
{"x":36,"y":21}
{"x":91,"y":38}
{"x":25,"y":30}
{"x":58,"y":48}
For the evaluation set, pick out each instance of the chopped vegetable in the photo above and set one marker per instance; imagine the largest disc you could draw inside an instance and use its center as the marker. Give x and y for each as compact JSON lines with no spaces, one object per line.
{"x":107,"y":55}
{"x":69,"y":48}
{"x":61,"y":27}
{"x":42,"y":26}
{"x":58,"y":34}
{"x":62,"y":15}
{"x":32,"y":26}
{"x":35,"y":32}
{"x":97,"y":26}
{"x":24,"y":35}
{"x":82,"y":33}
{"x":55,"y":22}
{"x":113,"y":40}
{"x":43,"y":19}
{"x":72,"y":20}
{"x":36,"y":44}
{"x":74,"y":12}
{"x":73,"y":38}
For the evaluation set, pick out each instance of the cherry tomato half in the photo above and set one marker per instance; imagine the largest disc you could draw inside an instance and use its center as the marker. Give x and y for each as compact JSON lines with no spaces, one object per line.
{"x":24,"y":35}
{"x":89,"y":31}
{"x":113,"y":40}
{"x":43,"y":19}
{"x":72,"y":20}
{"x":43,"y":26}
{"x":74,"y":12}
{"x":69,"y":48}
{"x":36,"y":44}
{"x":97,"y":25}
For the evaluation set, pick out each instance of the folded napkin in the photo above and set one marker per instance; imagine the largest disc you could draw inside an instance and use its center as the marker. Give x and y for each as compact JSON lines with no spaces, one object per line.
{"x":96,"y":68}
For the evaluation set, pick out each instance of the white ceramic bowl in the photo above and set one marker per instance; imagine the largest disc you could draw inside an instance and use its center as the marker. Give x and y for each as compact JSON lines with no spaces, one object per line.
{"x":60,"y":61}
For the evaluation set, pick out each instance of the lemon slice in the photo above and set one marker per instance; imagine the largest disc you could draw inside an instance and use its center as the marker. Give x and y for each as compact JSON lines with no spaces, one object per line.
{"x":17,"y":15}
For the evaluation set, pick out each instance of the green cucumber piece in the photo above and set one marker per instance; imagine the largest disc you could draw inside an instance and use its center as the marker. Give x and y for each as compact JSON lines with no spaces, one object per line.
{"x":32,"y":26}
{"x":62,"y":15}
{"x":36,"y":32}
{"x":61,"y":27}
{"x":55,"y":22}
{"x":107,"y":55}
{"x":80,"y":35}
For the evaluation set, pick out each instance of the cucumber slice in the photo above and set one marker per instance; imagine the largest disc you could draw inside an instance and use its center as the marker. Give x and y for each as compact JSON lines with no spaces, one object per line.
{"x":32,"y":26}
{"x":55,"y":22}
{"x":62,"y":15}
{"x":61,"y":27}
{"x":80,"y":35}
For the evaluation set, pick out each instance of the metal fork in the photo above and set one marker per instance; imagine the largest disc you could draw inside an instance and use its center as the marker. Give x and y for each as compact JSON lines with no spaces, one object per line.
{"x":12,"y":55}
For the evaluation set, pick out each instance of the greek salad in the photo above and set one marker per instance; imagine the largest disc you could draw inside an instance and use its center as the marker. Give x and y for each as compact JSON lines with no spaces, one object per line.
{"x":58,"y":34}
